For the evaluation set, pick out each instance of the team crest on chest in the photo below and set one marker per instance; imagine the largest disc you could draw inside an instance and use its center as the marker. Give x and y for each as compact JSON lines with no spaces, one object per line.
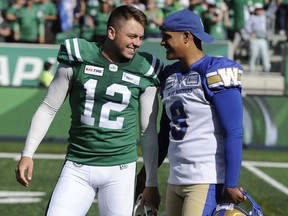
{"x":113,"y":67}
{"x":192,"y":79}
{"x":93,"y":70}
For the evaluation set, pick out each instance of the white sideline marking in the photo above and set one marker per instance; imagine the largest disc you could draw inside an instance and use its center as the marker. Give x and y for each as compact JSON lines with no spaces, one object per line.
{"x":267,"y":164}
{"x":12,"y":197}
{"x":16,"y":156}
{"x":11,"y":200}
{"x":265,"y":177}
{"x":20,"y":194}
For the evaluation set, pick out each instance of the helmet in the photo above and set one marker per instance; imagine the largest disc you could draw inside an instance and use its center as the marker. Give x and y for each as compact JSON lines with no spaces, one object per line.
{"x":230,"y":209}
{"x":141,"y":211}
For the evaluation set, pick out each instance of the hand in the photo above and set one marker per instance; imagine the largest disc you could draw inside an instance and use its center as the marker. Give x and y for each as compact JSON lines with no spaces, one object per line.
{"x":151,"y":198}
{"x":233,"y":195}
{"x":24,"y":166}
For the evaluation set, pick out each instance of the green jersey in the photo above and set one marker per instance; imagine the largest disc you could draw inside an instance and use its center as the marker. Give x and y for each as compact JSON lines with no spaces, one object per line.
{"x":104,"y":100}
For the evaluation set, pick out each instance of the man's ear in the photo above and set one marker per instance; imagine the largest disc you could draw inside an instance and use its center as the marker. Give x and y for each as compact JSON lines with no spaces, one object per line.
{"x":111,"y":32}
{"x":187,"y":36}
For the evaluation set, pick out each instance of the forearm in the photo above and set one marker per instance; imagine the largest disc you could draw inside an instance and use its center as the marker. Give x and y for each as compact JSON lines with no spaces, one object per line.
{"x":148,"y":140}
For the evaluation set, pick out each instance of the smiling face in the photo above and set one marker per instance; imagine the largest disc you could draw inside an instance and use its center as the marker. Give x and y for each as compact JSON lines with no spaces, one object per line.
{"x":125,"y":33}
{"x":173,"y":43}
{"x":127,"y":37}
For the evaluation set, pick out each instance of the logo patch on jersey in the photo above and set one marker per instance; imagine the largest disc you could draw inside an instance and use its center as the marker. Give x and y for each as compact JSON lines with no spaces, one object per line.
{"x":224,"y":77}
{"x":170,"y":81}
{"x":131,"y":78}
{"x":92,"y":70}
{"x":113,"y":67}
{"x":77,"y":164}
{"x":123,"y":166}
{"x":192,"y":79}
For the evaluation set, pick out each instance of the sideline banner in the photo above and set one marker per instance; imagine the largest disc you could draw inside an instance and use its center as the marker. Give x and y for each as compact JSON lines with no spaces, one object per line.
{"x":265,"y":121}
{"x":21,"y":64}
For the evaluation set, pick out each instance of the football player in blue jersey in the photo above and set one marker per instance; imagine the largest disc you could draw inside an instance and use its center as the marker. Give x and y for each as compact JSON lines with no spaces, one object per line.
{"x":107,"y":84}
{"x":201,"y":124}
{"x":203,"y":105}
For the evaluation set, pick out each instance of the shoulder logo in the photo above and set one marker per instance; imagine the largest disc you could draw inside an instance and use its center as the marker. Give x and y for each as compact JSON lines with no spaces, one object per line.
{"x":131,"y":78}
{"x":225,"y":76}
{"x":229,"y":76}
{"x":93,"y":70}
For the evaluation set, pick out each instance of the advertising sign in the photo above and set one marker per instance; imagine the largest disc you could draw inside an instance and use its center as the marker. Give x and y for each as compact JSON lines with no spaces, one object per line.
{"x":21,"y":64}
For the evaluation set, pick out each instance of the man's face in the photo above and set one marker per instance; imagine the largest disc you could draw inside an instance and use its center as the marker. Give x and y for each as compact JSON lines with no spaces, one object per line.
{"x":128,"y":37}
{"x":173,"y":43}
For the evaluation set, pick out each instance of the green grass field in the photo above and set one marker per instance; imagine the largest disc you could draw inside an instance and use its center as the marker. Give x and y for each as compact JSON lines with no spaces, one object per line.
{"x":272,"y":200}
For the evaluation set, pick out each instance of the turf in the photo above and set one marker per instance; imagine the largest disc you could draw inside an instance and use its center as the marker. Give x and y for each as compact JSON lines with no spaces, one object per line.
{"x":273,"y":201}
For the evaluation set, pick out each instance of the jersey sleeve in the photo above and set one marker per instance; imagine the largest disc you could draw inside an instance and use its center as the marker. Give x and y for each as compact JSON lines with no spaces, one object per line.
{"x":221,"y":79}
{"x":46,"y":112}
{"x":77,"y":50}
{"x":63,"y":55}
{"x":223,"y":89}
{"x":229,"y":109}
{"x":221,"y":74}
{"x":152,"y":67}
{"x":148,"y":139}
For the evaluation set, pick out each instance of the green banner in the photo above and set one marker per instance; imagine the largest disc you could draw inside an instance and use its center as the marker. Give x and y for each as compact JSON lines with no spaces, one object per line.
{"x":21,"y":64}
{"x":286,"y":68}
{"x":265,"y":121}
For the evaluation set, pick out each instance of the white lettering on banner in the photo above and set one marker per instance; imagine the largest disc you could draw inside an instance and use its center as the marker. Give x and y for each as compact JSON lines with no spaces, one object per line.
{"x":21,"y":74}
{"x":4,"y":71}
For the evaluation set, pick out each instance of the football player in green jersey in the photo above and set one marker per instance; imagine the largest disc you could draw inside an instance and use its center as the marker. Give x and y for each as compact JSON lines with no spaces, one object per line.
{"x":107,"y":85}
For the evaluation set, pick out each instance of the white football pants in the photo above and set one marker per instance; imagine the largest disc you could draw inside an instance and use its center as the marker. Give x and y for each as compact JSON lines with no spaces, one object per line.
{"x":78,"y":185}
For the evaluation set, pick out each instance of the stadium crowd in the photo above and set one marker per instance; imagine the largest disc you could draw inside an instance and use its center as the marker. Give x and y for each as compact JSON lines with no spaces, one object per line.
{"x":52,"y":21}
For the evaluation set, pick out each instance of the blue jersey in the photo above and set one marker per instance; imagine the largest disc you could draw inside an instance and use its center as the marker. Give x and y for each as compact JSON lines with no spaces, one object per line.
{"x":204,"y":108}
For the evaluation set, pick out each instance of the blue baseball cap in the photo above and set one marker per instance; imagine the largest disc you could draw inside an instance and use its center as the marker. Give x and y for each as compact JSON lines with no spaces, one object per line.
{"x":186,"y":20}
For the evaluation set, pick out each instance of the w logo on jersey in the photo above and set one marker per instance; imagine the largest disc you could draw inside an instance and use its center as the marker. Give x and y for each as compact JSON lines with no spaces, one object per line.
{"x":224,"y":77}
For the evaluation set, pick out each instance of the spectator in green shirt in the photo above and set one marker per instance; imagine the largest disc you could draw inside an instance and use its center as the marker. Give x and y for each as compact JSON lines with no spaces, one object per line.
{"x":155,"y":18}
{"x":171,"y":6}
{"x":29,"y":27}
{"x":50,"y":13}
{"x":101,"y":20}
{"x":11,"y":15}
